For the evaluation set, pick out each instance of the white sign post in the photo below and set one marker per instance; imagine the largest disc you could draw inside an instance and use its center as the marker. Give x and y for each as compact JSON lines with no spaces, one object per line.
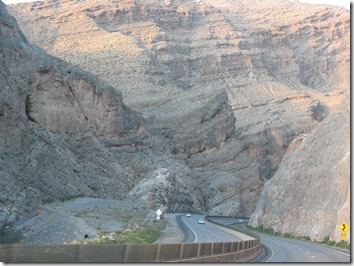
{"x":158,"y":213}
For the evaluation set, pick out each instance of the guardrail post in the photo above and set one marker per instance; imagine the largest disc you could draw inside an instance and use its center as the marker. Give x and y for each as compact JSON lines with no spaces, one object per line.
{"x":79,"y":255}
{"x":198,"y":253}
{"x":212,"y":249}
{"x":127,"y":250}
{"x":158,"y":252}
{"x":181,"y":252}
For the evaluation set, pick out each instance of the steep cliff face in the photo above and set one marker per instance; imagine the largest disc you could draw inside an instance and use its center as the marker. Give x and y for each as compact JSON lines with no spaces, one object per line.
{"x":50,"y":114}
{"x":283,"y":72}
{"x":66,"y":133}
{"x":309,"y":195}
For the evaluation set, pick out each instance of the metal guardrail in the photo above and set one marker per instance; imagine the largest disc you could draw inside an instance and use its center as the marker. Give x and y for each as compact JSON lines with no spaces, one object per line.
{"x":157,"y":252}
{"x":162,"y":252}
{"x":232,"y":227}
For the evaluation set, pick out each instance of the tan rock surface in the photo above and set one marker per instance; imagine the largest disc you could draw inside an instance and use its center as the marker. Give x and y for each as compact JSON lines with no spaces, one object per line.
{"x":223,"y":88}
{"x":310,"y":193}
{"x":276,"y":69}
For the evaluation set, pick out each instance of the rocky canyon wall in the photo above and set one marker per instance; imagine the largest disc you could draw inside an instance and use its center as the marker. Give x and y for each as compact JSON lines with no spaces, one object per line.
{"x":283,"y":72}
{"x":47,"y":128}
{"x":66,"y":133}
{"x":309,"y":195}
{"x":214,"y":93}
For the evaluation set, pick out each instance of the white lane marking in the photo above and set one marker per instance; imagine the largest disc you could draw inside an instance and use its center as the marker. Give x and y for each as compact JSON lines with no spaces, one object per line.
{"x":307,"y":252}
{"x":334,"y":250}
{"x":314,"y":257}
{"x":343,"y":253}
{"x":331,"y":249}
{"x":195,"y":234}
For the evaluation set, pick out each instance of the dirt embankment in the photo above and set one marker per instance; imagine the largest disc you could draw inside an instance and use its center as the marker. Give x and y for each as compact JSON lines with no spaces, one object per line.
{"x":64,"y":222}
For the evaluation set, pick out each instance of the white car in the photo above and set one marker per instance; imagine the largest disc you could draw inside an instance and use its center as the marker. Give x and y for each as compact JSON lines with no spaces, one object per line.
{"x":188,"y":215}
{"x":201,"y":221}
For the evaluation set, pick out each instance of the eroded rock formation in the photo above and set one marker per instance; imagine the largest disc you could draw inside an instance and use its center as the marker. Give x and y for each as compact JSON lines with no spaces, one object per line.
{"x":282,"y":72}
{"x":309,"y":195}
{"x":66,"y":133}
{"x":41,"y":107}
{"x":219,"y":89}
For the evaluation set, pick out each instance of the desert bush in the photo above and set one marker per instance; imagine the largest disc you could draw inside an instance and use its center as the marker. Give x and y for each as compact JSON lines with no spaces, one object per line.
{"x":287,"y":235}
{"x":10,"y":236}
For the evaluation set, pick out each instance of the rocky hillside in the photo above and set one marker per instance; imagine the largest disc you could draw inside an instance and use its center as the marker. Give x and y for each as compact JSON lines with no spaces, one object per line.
{"x":310,"y":193}
{"x":66,"y":133}
{"x":214,"y":92}
{"x":47,"y":128}
{"x":282,"y":73}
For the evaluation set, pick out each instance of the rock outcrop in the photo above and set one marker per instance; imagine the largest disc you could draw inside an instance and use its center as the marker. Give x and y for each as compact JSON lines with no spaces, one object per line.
{"x":309,"y":195}
{"x":51,"y":112}
{"x":214,"y":92}
{"x":66,"y":133}
{"x":283,"y":73}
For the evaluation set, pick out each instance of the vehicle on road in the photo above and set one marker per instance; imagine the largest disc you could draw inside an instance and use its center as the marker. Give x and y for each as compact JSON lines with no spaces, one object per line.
{"x":188,"y":215}
{"x":201,"y":221}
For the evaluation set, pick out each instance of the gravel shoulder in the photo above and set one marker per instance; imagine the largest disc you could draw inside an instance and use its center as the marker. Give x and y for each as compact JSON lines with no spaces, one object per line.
{"x":172,"y":232}
{"x":64,"y":222}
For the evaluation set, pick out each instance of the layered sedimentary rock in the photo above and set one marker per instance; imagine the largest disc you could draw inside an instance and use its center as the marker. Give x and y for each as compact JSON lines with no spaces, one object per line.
{"x":223,"y":88}
{"x":276,"y":66}
{"x":50,"y":114}
{"x":66,"y":133}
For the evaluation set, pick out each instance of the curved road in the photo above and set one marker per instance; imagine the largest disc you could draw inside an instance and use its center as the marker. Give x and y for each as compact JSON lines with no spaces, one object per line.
{"x":202,"y":232}
{"x":291,"y":250}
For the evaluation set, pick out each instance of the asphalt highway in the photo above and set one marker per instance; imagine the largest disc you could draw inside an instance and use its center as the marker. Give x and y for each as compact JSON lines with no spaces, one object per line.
{"x":279,"y":249}
{"x":291,"y":250}
{"x":195,"y":232}
{"x":276,"y":249}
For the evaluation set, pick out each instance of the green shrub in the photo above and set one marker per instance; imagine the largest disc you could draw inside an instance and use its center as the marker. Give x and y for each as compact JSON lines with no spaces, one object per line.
{"x":331,"y":243}
{"x":135,"y":234}
{"x":70,"y":197}
{"x":306,"y":238}
{"x":343,"y":244}
{"x":249,"y":227}
{"x":10,"y":236}
{"x":269,"y":231}
{"x":260,"y":228}
{"x":325,"y":240}
{"x":287,"y":235}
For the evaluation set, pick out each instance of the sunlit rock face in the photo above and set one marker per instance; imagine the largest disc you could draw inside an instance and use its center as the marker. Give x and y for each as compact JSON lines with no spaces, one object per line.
{"x":214,"y":91}
{"x":284,"y":65}
{"x":312,"y":184}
